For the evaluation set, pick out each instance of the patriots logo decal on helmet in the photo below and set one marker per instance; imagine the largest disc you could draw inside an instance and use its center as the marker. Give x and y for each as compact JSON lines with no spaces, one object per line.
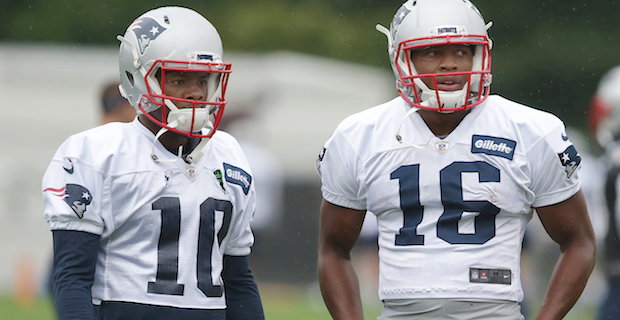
{"x":570,"y":159}
{"x":398,"y":19}
{"x":473,"y":7}
{"x":146,"y":30}
{"x":75,"y":195}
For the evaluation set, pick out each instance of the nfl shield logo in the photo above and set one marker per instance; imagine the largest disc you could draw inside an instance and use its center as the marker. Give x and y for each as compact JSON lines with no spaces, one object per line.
{"x":442,"y":146}
{"x":190,"y":172}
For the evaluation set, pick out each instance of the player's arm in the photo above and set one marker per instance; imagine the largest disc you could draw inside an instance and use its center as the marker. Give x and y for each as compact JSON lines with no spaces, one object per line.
{"x":242,"y":298}
{"x":569,"y":225}
{"x":75,"y":257}
{"x":339,"y":230}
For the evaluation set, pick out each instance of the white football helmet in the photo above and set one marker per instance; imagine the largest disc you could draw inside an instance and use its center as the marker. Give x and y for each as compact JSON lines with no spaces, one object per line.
{"x":174,"y":39}
{"x":604,"y":113}
{"x":419,"y":24}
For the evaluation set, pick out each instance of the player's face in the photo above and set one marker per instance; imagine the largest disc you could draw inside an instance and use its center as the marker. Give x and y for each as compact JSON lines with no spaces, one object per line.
{"x":443,"y":59}
{"x":186,"y":85}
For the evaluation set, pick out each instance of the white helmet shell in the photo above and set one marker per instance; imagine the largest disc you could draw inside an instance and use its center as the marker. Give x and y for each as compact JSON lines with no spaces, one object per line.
{"x":604,"y":113}
{"x":422,"y":23}
{"x":180,"y":39}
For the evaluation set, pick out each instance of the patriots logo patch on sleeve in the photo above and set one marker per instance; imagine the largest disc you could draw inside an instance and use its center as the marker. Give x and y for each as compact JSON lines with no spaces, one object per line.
{"x":75,"y":195}
{"x":570,"y":159}
{"x":238,"y":176}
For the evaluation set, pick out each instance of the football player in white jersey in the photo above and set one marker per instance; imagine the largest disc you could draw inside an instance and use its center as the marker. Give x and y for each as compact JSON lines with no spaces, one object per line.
{"x":453,"y":176}
{"x":151,"y":219}
{"x":604,"y":117}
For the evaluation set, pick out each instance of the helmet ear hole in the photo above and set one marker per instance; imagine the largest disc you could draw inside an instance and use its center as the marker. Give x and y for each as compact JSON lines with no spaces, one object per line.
{"x":129,"y":78}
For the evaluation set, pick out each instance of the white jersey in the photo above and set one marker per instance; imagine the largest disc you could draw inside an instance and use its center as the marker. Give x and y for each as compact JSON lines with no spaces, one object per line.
{"x":164,"y":226}
{"x":451,"y":212}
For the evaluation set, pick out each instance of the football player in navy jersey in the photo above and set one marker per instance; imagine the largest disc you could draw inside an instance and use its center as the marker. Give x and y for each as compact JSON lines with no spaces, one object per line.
{"x":453,"y":176}
{"x":151,"y":219}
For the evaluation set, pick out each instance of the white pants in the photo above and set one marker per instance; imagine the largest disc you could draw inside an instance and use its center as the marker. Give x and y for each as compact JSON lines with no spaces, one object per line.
{"x":451,"y":309}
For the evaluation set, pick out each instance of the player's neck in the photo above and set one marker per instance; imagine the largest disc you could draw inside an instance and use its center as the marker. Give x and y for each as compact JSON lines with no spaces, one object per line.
{"x":442,"y":124}
{"x":170,"y":140}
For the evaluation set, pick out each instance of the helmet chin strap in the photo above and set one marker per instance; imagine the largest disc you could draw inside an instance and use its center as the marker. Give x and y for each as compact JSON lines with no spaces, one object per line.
{"x":197,"y":153}
{"x":194,"y":156}
{"x":155,"y":157}
{"x":399,"y":138}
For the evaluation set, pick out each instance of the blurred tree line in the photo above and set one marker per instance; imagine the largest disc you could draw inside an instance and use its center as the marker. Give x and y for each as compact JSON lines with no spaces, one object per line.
{"x":549,"y":54}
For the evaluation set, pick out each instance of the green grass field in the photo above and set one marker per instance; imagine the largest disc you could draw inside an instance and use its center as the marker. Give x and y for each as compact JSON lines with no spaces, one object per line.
{"x":281,"y":302}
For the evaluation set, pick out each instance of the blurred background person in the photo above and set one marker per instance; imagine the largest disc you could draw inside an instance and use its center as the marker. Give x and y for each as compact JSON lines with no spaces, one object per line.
{"x":268,"y":178}
{"x":604,"y":119}
{"x":115,"y":108}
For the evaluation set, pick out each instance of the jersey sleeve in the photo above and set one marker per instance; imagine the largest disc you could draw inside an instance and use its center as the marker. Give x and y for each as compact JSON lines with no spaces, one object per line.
{"x":239,"y":180}
{"x":555,"y":163}
{"x":241,"y":237}
{"x":338,"y":166}
{"x":71,"y":190}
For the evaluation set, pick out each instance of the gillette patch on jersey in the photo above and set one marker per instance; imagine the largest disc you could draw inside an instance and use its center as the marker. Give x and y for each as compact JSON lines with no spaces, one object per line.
{"x":238,"y":176}
{"x":499,"y":276}
{"x":493,"y":146}
{"x":570,"y":159}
